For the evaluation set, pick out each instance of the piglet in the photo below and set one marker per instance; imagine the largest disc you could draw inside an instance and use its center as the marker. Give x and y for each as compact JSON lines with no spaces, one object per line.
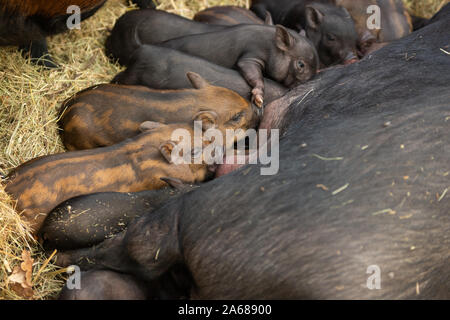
{"x":87,"y":220}
{"x":148,"y":26}
{"x":133,"y":165}
{"x":328,"y":26}
{"x":109,"y":113}
{"x":395,"y":21}
{"x":164,"y":68}
{"x":255,"y":50}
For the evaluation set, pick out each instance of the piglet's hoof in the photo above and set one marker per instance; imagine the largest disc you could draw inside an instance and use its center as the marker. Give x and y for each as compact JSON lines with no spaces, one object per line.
{"x":259,"y":111}
{"x":45,"y":61}
{"x":259,"y":101}
{"x":257,"y":98}
{"x":37,"y":51}
{"x":38,"y":55}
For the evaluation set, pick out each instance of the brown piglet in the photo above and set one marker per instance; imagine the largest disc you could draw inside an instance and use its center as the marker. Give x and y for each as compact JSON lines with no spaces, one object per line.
{"x":136,"y":164}
{"x":109,"y":113}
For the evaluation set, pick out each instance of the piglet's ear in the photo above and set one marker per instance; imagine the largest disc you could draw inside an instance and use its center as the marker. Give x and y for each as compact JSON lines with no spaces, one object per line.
{"x":174,"y":183}
{"x":314,"y":17}
{"x":166,"y":150}
{"x":149,"y":125}
{"x":346,"y":13}
{"x":268,"y":21}
{"x":208,"y":119}
{"x":196,"y":80}
{"x":177,"y":184}
{"x":283,"y":39}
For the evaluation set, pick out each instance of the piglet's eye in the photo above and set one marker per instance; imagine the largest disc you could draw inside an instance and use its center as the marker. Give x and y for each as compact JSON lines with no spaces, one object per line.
{"x":331,"y":37}
{"x":300,"y":64}
{"x":237,"y":117}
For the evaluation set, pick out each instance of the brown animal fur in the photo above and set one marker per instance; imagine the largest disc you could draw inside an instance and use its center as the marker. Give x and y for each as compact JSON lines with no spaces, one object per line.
{"x":134,"y":165}
{"x":46,"y":8}
{"x":109,"y":113}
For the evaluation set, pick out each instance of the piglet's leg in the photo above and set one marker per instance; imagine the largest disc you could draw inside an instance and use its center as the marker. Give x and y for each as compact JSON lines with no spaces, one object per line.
{"x":144,"y":4}
{"x":260,"y":10}
{"x":147,"y":249}
{"x":108,"y":254}
{"x":38,"y":52}
{"x":251,"y":69}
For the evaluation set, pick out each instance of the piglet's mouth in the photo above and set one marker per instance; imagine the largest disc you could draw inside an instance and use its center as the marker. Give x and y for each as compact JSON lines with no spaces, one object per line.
{"x":224,"y":169}
{"x":351,"y":61}
{"x":350,"y":57}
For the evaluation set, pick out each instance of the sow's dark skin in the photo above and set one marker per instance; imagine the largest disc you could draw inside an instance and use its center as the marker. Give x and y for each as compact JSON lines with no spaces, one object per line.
{"x":148,"y":26}
{"x":163,"y":68}
{"x":27,"y":23}
{"x":87,"y":220}
{"x":228,"y":16}
{"x":362,"y":182}
{"x":329,"y":27}
{"x":109,"y":113}
{"x":255,"y":50}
